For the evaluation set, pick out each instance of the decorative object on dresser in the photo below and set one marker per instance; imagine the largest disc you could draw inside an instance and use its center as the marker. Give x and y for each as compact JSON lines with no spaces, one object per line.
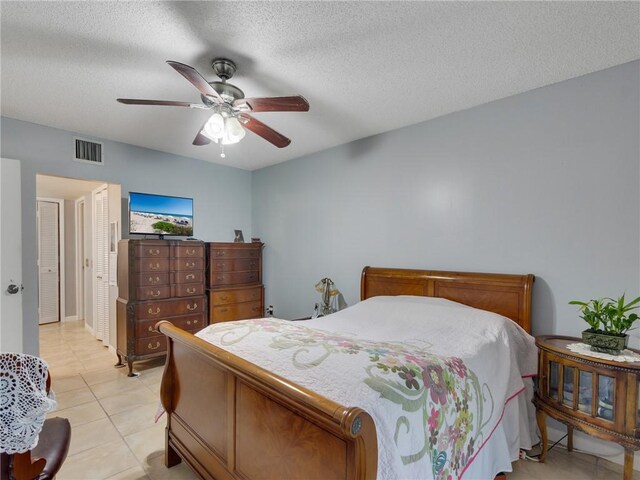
{"x":157,"y":280}
{"x":594,"y":395}
{"x":609,"y":320}
{"x":234,"y":281}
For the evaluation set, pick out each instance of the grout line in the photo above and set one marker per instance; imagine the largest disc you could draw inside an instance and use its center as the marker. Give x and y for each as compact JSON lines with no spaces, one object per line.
{"x":68,"y":346}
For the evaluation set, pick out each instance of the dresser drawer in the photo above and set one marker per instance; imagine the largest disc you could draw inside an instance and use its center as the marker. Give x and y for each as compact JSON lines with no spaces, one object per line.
{"x":236,"y":295}
{"x":222,"y":252}
{"x":151,"y":264}
{"x":187,"y":277}
{"x":151,"y":345}
{"x":159,"y":251}
{"x":146,"y":328}
{"x":153,"y":292}
{"x":151,"y":279}
{"x":234,"y":264}
{"x":162,"y":309}
{"x":188,"y":290}
{"x":233,"y":278}
{"x":181,"y":264}
{"x":238,"y":311}
{"x":188,"y":251}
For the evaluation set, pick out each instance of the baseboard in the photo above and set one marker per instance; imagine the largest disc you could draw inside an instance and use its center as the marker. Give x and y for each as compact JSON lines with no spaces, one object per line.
{"x":71,"y":318}
{"x":89,"y":329}
{"x":112,"y":350}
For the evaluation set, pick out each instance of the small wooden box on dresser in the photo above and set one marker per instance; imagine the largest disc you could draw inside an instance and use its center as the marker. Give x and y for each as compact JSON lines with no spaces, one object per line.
{"x":157,"y":280}
{"x":234,"y":281}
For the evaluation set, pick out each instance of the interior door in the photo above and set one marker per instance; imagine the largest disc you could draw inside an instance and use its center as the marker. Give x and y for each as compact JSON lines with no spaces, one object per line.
{"x":80,"y":267}
{"x":101,"y":319}
{"x":10,"y":257}
{"x":48,"y":215}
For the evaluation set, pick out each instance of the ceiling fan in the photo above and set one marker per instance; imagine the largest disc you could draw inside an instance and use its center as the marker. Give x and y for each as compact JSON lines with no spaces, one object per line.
{"x":229,"y":106}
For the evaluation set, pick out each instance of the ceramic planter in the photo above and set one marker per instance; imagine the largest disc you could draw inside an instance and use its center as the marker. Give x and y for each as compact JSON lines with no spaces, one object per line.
{"x":605,"y":343}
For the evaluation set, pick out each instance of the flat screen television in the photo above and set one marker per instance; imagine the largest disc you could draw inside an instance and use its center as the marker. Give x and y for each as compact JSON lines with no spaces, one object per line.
{"x":160,"y":215}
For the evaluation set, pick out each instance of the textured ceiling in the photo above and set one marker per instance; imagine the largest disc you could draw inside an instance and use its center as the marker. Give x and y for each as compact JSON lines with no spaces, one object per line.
{"x":365,"y":67}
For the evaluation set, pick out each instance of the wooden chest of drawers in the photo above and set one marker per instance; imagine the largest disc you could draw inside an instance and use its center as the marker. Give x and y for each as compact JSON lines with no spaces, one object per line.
{"x":157,"y":280}
{"x":234,"y":281}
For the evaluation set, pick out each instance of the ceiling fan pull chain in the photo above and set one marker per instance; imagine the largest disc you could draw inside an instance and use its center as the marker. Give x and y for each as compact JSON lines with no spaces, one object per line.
{"x":222,"y":150}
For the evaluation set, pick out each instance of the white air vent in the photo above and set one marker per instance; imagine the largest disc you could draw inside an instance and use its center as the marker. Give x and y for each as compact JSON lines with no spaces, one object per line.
{"x":90,"y":152}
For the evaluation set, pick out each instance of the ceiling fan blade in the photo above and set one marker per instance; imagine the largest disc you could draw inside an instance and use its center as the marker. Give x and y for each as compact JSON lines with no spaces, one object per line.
{"x":276,"y":104}
{"x":266,"y":132}
{"x":168,"y":103}
{"x":195,"y":78}
{"x":200,"y":138}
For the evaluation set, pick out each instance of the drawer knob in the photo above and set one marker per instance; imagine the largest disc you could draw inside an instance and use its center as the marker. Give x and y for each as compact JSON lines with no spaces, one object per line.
{"x":256,"y":309}
{"x":151,"y":328}
{"x":220,"y":277}
{"x":155,"y":266}
{"x":220,"y":253}
{"x":190,"y":276}
{"x":195,"y":322}
{"x":191,"y":290}
{"x":154,"y":281}
{"x":151,"y":347}
{"x":154,"y":294}
{"x":154,"y":251}
{"x":151,"y":312}
{"x":190,"y":253}
{"x":224,"y":298}
{"x":190,"y":308}
{"x":190,"y":265}
{"x":224,"y":310}
{"x":252,"y":264}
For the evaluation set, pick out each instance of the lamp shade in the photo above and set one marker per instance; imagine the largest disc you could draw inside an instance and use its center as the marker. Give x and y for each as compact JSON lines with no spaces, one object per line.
{"x":214,"y":128}
{"x":233,"y":131}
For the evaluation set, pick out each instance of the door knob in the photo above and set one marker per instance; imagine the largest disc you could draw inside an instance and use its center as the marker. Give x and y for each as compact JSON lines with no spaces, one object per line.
{"x":12,"y":289}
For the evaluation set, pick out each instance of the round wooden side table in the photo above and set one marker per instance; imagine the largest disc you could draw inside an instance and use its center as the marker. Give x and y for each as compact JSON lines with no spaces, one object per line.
{"x":596,"y":396}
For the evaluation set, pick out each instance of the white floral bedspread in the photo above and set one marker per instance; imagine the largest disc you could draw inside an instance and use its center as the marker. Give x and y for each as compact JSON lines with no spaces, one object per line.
{"x":434,"y":375}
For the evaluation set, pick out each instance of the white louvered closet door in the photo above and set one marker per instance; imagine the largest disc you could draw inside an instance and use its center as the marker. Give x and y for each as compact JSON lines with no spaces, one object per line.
{"x":48,"y":263}
{"x":101,"y":325}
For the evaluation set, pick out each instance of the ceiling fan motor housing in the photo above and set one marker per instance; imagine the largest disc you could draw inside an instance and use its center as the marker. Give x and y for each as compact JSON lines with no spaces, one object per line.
{"x":227,"y":91}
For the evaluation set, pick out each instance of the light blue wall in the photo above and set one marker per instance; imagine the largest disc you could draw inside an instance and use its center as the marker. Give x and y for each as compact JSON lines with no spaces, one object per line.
{"x":546,"y":182}
{"x":222,"y":195}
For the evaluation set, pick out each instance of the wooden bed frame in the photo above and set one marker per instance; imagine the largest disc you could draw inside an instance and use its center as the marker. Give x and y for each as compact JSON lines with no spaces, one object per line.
{"x":231,"y":419}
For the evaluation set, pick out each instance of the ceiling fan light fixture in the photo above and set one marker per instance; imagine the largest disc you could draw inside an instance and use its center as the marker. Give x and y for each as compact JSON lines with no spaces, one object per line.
{"x":233,"y":131}
{"x":214,"y":128}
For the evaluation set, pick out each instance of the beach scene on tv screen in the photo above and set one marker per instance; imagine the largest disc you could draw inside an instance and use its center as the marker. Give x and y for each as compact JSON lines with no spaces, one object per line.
{"x":155,"y":214}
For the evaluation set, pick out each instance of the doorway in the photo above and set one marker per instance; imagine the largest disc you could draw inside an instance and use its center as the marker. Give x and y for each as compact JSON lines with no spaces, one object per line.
{"x":86,"y":209}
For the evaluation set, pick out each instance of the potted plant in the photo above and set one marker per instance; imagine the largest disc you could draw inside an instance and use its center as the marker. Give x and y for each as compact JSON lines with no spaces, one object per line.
{"x":609,"y":320}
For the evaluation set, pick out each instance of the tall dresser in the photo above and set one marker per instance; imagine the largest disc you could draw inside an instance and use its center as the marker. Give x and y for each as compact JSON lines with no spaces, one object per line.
{"x":234,"y":281}
{"x":157,"y":280}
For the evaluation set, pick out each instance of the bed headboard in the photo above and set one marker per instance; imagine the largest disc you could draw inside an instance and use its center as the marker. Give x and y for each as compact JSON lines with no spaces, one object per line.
{"x":507,"y":295}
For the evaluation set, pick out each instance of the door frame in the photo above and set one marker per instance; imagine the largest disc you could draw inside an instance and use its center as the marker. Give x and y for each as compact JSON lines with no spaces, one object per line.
{"x":79,"y":252}
{"x":61,"y":246}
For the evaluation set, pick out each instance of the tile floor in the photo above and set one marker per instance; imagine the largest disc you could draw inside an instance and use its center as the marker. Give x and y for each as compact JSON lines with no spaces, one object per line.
{"x":114,"y":436}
